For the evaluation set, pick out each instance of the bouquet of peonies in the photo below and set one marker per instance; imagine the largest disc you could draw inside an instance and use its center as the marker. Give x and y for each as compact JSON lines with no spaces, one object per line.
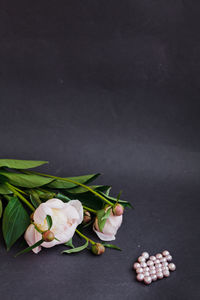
{"x":51,"y":209}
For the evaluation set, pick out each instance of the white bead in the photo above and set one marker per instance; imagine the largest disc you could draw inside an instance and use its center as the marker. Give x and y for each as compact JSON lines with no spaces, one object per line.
{"x":146,"y":274}
{"x":165,"y":264}
{"x":149,"y":263}
{"x":169,"y":257}
{"x":163,"y":259}
{"x":152,"y":268}
{"x":141,"y":259}
{"x":143,"y":264}
{"x":172,"y":267}
{"x":139,"y":270}
{"x":147,"y":280}
{"x":145,"y":255}
{"x":146,"y":269}
{"x":158,"y":265}
{"x":157,"y":261}
{"x":154,"y":277}
{"x":166,"y":273}
{"x":153,"y":258}
{"x":159,"y":256}
{"x":165,"y":269}
{"x":136,"y":265}
{"x":159,"y":270}
{"x":140,"y":277}
{"x":165,"y":253}
{"x":159,"y":275}
{"x":152,"y":272}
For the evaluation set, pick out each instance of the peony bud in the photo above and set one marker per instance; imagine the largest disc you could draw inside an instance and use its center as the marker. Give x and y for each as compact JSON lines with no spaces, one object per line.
{"x":118,"y":210}
{"x":48,"y":236}
{"x":87,"y":217}
{"x":98,"y":249}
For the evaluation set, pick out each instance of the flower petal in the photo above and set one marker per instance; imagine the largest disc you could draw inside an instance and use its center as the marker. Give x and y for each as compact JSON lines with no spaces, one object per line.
{"x":103,"y":236}
{"x":32,"y":236}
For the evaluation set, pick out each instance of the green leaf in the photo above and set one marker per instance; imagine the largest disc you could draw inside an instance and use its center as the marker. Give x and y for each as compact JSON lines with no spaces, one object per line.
{"x":15,"y":221}
{"x":80,"y":189}
{"x":3,"y":179}
{"x":30,"y":248}
{"x":21,"y":164}
{"x":111,"y":246}
{"x":69,"y":244}
{"x":24,"y":180}
{"x":112,"y":199}
{"x":1,"y":208}
{"x":4,"y":190}
{"x":78,"y":249}
{"x":49,"y":221}
{"x":59,"y":184}
{"x":35,"y":199}
{"x":102,"y":216}
{"x":63,"y":197}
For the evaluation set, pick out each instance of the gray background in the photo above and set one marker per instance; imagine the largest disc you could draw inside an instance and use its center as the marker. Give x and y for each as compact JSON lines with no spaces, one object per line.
{"x":110,"y":87}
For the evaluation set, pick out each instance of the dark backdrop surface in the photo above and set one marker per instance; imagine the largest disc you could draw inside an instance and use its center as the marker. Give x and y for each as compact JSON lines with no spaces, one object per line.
{"x":110,"y":87}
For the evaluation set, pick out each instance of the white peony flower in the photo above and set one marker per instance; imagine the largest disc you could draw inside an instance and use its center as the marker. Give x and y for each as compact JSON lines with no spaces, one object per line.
{"x":65,"y":218}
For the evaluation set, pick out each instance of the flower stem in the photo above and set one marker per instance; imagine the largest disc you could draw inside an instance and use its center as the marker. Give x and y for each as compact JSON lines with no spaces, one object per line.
{"x":72,"y":181}
{"x":90,"y":209}
{"x":85,"y":237}
{"x":14,"y":190}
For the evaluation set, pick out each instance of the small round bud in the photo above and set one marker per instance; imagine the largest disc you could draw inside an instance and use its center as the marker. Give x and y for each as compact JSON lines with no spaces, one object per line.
{"x":87,"y":217}
{"x":98,"y":249}
{"x":48,"y":236}
{"x":118,"y":210}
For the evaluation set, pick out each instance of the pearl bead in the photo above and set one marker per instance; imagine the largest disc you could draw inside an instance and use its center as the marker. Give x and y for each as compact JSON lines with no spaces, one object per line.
{"x":152,"y":272}
{"x":163,"y":259}
{"x":154,"y":277}
{"x":172,"y":267}
{"x":146,"y":274}
{"x":139,"y":270}
{"x":152,"y":268}
{"x":145,"y":255}
{"x":165,"y":264}
{"x":169,"y":257}
{"x":166,"y":273}
{"x":141,"y":259}
{"x":147,"y":280}
{"x":140,"y":277}
{"x":143,"y":264}
{"x":158,"y":270}
{"x":159,"y":256}
{"x":165,"y":269}
{"x":165,"y":253}
{"x":158,"y":265}
{"x":153,"y":258}
{"x":159,"y":275}
{"x":157,"y":261}
{"x":149,"y":263}
{"x":136,"y":265}
{"x":146,"y":269}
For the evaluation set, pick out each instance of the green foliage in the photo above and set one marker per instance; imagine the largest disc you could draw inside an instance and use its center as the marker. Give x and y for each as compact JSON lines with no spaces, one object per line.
{"x":61,"y":184}
{"x":15,"y":221}
{"x":25,"y":180}
{"x":1,"y":208}
{"x":102,"y":216}
{"x":78,"y":249}
{"x":49,"y":222}
{"x":69,"y":244}
{"x":28,"y":249}
{"x":111,"y":246}
{"x":4,"y":189}
{"x":21,"y":164}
